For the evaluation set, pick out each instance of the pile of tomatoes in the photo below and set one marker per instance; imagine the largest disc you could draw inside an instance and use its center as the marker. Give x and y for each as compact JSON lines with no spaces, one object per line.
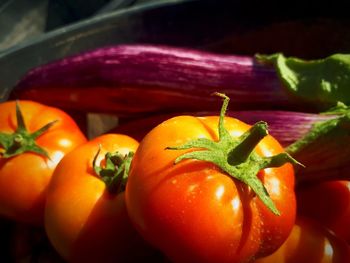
{"x":114,"y":199}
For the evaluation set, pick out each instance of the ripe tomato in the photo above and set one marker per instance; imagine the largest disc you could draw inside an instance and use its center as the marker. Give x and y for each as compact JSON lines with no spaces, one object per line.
{"x":84,"y":220}
{"x":310,"y":242}
{"x":329,"y":203}
{"x":24,"y":176}
{"x":195,"y":212}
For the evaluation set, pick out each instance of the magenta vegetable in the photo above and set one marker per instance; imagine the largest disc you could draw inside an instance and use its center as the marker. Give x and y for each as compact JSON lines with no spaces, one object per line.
{"x":142,"y":78}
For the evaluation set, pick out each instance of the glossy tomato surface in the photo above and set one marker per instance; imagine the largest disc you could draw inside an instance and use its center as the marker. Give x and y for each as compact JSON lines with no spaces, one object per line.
{"x":309,"y":242}
{"x":83,"y":220}
{"x":194,"y":212}
{"x":24,"y":178}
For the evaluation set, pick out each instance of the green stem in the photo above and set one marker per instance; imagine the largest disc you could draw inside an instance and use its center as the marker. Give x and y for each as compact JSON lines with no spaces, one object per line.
{"x":222,"y":131}
{"x":21,"y":127}
{"x":21,"y":140}
{"x":249,"y":140}
{"x":115,"y":171}
{"x":18,"y":141}
{"x":236,"y":156}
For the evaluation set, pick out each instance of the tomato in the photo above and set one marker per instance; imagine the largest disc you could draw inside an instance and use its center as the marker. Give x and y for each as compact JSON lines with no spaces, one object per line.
{"x":329,"y":203}
{"x":26,"y":164}
{"x":84,"y":220}
{"x":194,"y":211}
{"x":310,"y":242}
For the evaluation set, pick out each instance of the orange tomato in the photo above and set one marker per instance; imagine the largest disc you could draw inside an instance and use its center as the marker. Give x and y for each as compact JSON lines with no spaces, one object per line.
{"x":84,"y":221}
{"x":195,"y":212}
{"x":24,"y":177}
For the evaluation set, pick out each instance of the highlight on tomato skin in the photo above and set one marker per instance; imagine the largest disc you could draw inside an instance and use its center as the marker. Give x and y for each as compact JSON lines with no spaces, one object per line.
{"x":310,"y":242}
{"x":33,"y":139}
{"x":192,"y":211}
{"x":85,"y":219}
{"x":328,"y":203}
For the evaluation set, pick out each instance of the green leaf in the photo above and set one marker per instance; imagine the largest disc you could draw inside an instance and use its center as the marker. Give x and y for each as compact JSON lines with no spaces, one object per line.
{"x":322,"y":82}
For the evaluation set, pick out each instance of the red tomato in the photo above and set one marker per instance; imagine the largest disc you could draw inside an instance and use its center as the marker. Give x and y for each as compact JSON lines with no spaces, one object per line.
{"x":195,"y":212}
{"x":24,"y":177}
{"x":310,"y":242}
{"x":84,"y":221}
{"x":329,"y":204}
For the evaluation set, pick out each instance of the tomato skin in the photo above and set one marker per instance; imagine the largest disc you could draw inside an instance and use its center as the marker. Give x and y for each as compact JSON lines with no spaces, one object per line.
{"x":329,"y":203}
{"x":84,"y":222}
{"x":310,"y":242}
{"x":192,"y":211}
{"x":24,"y":178}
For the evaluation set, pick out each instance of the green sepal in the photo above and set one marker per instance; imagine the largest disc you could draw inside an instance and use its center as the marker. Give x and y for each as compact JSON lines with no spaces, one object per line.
{"x":21,"y":140}
{"x":236,"y":156}
{"x":116,"y":170}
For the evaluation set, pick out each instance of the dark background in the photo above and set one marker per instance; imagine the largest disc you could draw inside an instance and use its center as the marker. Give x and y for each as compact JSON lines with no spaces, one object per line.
{"x":24,"y":19}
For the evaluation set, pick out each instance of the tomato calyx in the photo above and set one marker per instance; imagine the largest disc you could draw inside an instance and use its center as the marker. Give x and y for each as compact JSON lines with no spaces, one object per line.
{"x":236,"y":156}
{"x":21,"y":140}
{"x":115,"y":171}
